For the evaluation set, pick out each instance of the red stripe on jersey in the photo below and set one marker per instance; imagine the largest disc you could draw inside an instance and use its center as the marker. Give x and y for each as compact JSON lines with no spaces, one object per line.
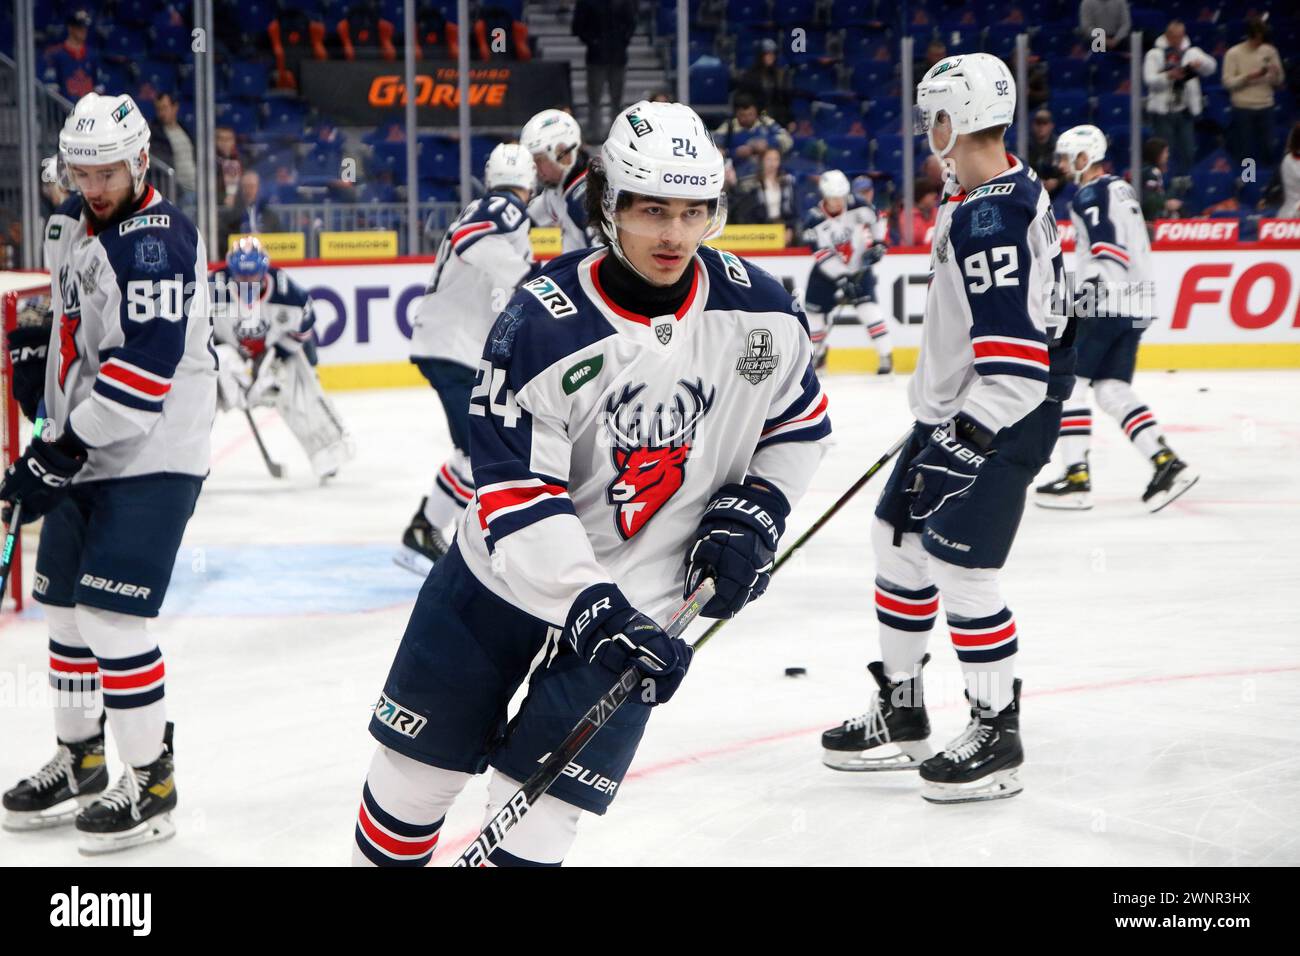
{"x":980,"y":640}
{"x":131,"y":681}
{"x":821,"y":407}
{"x":494,"y":501}
{"x":894,"y":606}
{"x":1109,"y":249}
{"x":456,"y":486}
{"x":64,"y":667}
{"x":594,"y":272}
{"x":995,"y":350}
{"x":470,"y":230}
{"x":122,"y":373}
{"x":401,"y":846}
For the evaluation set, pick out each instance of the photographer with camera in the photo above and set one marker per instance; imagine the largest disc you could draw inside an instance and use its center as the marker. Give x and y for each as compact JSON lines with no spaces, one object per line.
{"x":1171,"y":72}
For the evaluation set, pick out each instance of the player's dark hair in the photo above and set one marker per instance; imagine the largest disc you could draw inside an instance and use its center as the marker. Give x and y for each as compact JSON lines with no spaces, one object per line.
{"x":596,"y":189}
{"x":743,"y":101}
{"x":1256,"y":29}
{"x":1152,"y":149}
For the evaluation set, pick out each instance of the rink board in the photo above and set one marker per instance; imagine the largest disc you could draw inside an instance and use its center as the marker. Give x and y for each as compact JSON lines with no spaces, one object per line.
{"x":1216,"y":308}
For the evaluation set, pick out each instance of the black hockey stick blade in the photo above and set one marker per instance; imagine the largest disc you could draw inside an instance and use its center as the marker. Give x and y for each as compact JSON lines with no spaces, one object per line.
{"x":513,"y":811}
{"x":274,"y":467}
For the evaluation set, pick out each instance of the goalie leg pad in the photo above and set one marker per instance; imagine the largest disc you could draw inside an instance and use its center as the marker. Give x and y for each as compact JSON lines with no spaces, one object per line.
{"x":313,"y":418}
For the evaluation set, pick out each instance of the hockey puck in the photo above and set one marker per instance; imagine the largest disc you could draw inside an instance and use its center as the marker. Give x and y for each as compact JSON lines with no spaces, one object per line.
{"x":1203,"y":388}
{"x":796,"y":671}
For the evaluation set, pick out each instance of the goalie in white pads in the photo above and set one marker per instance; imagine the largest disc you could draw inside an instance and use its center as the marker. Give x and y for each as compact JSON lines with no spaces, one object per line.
{"x":266,"y":340}
{"x":1115,"y":306}
{"x":847,"y":239}
{"x":646,"y":415}
{"x":994,"y":366}
{"x":483,"y":256}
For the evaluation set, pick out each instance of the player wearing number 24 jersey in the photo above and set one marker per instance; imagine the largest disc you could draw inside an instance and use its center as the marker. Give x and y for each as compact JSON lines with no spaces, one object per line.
{"x":644,"y":416}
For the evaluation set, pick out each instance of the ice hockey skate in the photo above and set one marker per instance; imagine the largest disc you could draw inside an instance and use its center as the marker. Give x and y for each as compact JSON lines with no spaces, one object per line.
{"x":53,"y":796}
{"x":1173,"y":479}
{"x":983,"y":763}
{"x":136,"y":811}
{"x":891,"y":735}
{"x":1071,"y":492}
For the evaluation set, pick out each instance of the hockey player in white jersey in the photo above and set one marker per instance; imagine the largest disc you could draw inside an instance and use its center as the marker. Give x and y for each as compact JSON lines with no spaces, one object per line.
{"x":554,"y":139}
{"x":646,"y":415}
{"x":993,"y":369}
{"x":266,"y":340}
{"x":130,"y":392}
{"x":483,"y":256}
{"x":847,"y":239}
{"x":1115,"y":306}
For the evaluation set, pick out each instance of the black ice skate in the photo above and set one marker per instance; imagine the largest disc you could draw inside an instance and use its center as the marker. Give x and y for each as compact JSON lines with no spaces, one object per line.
{"x":890,"y":736}
{"x":1171,"y":480}
{"x":982,"y":763}
{"x":137,"y":810}
{"x":885,"y":366}
{"x":54,"y":794}
{"x":1071,"y":492}
{"x":422,"y":544}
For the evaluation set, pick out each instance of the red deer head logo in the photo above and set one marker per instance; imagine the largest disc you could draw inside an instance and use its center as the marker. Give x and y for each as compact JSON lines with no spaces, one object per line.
{"x":650,"y":452}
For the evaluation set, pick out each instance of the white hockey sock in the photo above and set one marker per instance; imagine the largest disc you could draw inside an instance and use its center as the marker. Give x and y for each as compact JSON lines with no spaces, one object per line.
{"x":1076,"y":425}
{"x":1119,"y":401}
{"x":983,"y":632}
{"x":131,"y":672}
{"x":877,"y":327}
{"x":453,"y":489}
{"x":542,"y":838}
{"x":819,"y":329}
{"x":403,"y":804}
{"x":907,"y":602}
{"x":74,"y":675}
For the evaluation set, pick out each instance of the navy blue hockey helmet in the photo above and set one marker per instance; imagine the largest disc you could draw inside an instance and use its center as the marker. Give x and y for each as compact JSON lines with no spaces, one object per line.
{"x":247,"y":260}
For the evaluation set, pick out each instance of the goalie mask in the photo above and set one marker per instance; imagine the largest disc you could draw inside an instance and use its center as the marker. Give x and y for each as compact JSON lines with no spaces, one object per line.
{"x":662,"y":151}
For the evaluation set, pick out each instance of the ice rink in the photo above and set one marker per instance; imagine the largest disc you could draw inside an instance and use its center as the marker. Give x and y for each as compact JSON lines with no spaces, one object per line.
{"x":1160,"y":657}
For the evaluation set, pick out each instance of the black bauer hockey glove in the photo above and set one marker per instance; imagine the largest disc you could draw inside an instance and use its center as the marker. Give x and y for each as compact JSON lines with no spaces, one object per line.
{"x":948,"y":466}
{"x":735,"y":545}
{"x":40,"y":477}
{"x":604,"y":629}
{"x":28,"y":347}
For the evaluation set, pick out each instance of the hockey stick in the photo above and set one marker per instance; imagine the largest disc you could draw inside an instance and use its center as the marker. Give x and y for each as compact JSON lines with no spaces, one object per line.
{"x":513,"y":811}
{"x":817,"y":525}
{"x":11,"y":536}
{"x":274,"y":467}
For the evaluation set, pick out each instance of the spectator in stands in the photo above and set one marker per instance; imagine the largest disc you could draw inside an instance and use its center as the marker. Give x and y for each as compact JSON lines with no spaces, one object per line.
{"x":768,"y":83}
{"x":1290,"y":173}
{"x":229,"y":166}
{"x":1156,"y":202}
{"x":1109,"y":16}
{"x":1171,"y":71}
{"x":748,"y":133}
{"x":935,"y":51}
{"x":767,"y":196}
{"x":605,"y":27}
{"x":70,"y":66}
{"x":931,"y":172}
{"x":250,"y":213}
{"x":1251,"y":71}
{"x":11,"y":241}
{"x":1042,"y":152}
{"x":925,"y":210}
{"x":1039,"y":86}
{"x":170,"y":144}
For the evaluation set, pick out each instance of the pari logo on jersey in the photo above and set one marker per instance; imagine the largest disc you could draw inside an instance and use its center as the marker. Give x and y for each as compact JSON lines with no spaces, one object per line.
{"x":650,"y":451}
{"x":398,"y":717}
{"x":549,"y":294}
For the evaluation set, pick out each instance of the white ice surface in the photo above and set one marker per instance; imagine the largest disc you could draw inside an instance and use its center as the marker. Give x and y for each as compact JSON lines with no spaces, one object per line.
{"x":1160,"y":656}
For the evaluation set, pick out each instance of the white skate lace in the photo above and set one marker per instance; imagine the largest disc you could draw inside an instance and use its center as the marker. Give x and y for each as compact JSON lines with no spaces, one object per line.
{"x":126,"y":792}
{"x":59,"y":767}
{"x":970,"y":741}
{"x":873,"y":720}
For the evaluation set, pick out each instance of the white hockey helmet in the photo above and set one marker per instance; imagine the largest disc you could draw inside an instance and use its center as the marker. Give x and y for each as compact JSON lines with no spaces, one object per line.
{"x":551,"y":133}
{"x":509,"y":164}
{"x":833,"y":184}
{"x":976,"y":90}
{"x":101,"y":130}
{"x":663,"y":150}
{"x":1087,"y":141}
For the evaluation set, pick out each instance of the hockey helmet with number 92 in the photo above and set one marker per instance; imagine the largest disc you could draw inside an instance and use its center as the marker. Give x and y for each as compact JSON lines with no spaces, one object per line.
{"x":975,"y":90}
{"x":101,"y":130}
{"x":662,"y":150}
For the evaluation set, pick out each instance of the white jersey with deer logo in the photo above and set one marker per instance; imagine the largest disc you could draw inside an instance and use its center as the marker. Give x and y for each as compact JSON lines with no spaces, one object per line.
{"x":598,"y":435}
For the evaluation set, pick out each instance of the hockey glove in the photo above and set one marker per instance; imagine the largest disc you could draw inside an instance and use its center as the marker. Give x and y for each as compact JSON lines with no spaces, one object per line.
{"x":850,"y":286}
{"x":947,"y":466}
{"x":873,"y":254}
{"x":735,"y":545}
{"x":28,"y":346}
{"x":266,"y":381}
{"x":40,"y":477}
{"x":604,"y":629}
